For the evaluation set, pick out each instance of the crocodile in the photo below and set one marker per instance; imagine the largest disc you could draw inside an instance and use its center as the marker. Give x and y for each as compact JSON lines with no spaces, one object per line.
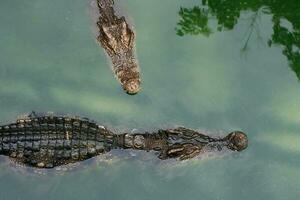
{"x":118,"y":40}
{"x":48,"y":141}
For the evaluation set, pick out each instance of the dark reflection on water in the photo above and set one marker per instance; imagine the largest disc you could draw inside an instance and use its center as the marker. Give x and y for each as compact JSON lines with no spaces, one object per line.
{"x":285,"y":22}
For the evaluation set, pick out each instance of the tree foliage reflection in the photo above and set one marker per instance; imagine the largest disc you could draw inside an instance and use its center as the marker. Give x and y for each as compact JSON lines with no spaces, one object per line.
{"x":194,"y":21}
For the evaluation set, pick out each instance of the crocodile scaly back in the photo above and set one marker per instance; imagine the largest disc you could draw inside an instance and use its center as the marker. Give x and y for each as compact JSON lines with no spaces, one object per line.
{"x":51,"y":141}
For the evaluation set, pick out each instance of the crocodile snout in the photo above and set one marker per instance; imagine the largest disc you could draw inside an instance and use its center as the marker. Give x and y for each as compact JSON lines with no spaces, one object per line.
{"x":132,"y":86}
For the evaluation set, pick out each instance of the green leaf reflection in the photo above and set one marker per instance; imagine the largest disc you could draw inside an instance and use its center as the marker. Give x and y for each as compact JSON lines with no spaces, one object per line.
{"x":194,"y":21}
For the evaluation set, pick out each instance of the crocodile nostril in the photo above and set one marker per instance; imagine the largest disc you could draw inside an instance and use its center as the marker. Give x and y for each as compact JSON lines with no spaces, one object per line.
{"x":238,"y":141}
{"x":132,"y":87}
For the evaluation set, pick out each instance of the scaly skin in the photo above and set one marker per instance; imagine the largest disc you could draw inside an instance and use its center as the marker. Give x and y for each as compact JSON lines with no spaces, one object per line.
{"x":50,"y":141}
{"x":117,"y":38}
{"x":181,"y":142}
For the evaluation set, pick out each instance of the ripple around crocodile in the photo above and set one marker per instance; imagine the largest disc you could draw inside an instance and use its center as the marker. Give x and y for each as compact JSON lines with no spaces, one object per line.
{"x":118,"y":40}
{"x":48,"y":141}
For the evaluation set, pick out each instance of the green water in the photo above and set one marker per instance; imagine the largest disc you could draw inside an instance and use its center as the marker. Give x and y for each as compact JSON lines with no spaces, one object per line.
{"x":216,"y":66}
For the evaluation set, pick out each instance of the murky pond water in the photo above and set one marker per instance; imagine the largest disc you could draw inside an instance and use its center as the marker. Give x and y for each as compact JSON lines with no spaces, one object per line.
{"x":211,"y":65}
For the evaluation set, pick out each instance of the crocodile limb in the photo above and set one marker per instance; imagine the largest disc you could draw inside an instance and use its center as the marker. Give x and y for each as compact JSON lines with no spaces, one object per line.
{"x":50,"y":141}
{"x":118,"y":40}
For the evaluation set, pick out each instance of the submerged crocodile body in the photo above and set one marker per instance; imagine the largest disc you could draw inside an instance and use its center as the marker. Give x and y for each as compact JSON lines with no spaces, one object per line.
{"x":50,"y":141}
{"x":118,"y":40}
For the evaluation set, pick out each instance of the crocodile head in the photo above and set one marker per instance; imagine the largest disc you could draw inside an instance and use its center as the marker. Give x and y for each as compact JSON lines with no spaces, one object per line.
{"x":132,"y":86}
{"x":237,"y":141}
{"x":129,"y":77}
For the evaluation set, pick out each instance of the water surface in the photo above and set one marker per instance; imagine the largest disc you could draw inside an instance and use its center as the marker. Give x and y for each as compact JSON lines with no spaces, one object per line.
{"x":211,"y":65}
